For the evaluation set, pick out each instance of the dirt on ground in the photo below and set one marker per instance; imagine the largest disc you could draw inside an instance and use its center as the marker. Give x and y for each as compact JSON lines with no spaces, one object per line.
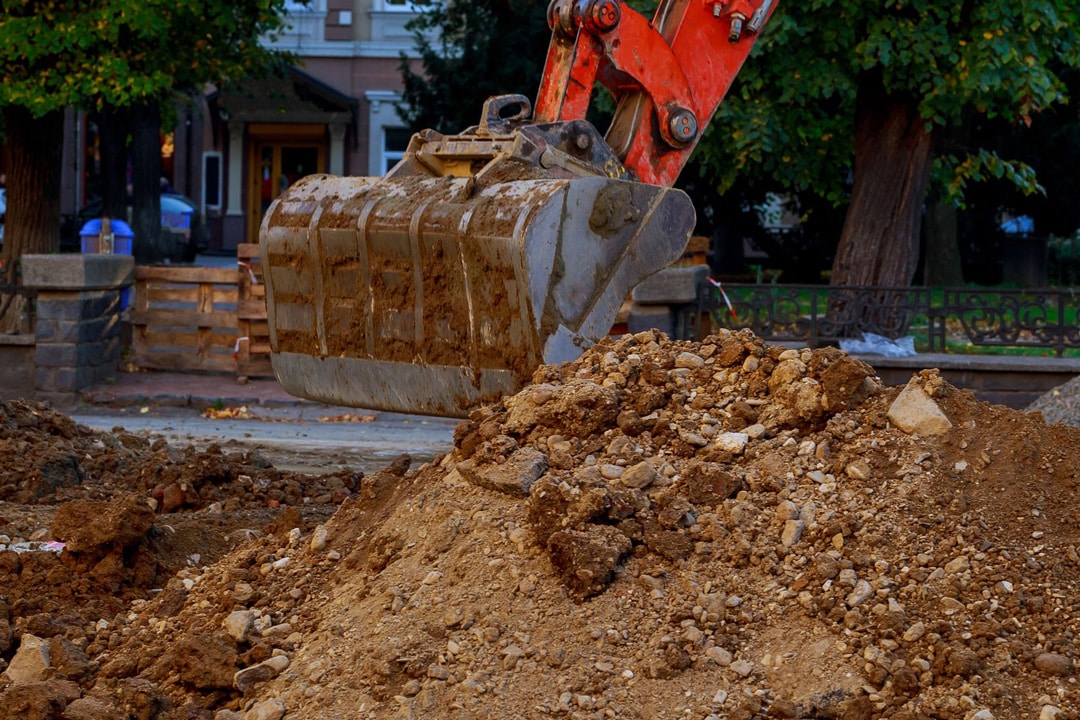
{"x":723,"y":529}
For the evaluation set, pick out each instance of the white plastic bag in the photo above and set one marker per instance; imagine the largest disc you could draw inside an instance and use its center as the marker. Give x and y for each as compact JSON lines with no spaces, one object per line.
{"x":872,"y":344}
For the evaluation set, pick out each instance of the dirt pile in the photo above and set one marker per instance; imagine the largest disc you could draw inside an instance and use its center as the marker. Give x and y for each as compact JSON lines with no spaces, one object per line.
{"x":91,"y":521}
{"x":721,"y":529}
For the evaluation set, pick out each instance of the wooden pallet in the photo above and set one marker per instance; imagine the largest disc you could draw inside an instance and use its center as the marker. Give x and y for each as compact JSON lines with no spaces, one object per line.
{"x":184,"y":318}
{"x":253,"y":333}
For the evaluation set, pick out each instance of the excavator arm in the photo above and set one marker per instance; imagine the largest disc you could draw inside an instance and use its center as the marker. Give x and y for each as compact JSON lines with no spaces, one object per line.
{"x":480,"y":256}
{"x":667,"y":76}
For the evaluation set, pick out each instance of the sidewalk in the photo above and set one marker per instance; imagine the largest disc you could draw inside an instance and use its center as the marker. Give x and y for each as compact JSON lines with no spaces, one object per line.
{"x":189,"y":390}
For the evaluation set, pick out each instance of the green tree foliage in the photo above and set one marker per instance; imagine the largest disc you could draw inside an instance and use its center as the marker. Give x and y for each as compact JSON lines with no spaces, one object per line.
{"x":836,"y":85}
{"x":56,"y":54}
{"x":468,"y":52}
{"x":854,"y":103}
{"x":60,"y":53}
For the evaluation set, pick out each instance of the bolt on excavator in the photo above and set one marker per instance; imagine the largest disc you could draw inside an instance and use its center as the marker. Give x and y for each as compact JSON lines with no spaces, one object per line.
{"x":445,"y":283}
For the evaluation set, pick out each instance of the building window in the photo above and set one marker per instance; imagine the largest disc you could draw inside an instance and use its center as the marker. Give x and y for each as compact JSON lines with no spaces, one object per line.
{"x":395,"y":142}
{"x":393,"y":6}
{"x":387,"y":139}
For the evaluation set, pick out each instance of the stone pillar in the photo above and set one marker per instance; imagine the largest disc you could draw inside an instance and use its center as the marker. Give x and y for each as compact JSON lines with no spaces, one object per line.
{"x":660,"y":299}
{"x":78,"y":321}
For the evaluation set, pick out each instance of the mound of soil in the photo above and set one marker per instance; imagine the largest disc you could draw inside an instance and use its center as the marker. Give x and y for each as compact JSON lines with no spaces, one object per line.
{"x":723,"y":529}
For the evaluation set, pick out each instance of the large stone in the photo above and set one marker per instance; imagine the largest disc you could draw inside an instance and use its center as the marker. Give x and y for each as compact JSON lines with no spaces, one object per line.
{"x":271,"y":709}
{"x":238,"y":624}
{"x":586,"y":559}
{"x":1054,"y":664}
{"x":90,"y":708}
{"x":268,"y":669}
{"x":31,"y":661}
{"x":916,"y":413}
{"x":514,"y":477}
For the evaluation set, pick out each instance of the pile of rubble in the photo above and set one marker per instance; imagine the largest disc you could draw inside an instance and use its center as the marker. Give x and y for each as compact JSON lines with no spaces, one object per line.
{"x":723,"y":529}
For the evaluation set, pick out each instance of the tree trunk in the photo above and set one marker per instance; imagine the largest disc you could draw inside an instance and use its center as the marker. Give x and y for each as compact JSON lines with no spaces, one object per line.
{"x":880,"y":241}
{"x":146,"y":179}
{"x":32,"y":223}
{"x":113,"y":133}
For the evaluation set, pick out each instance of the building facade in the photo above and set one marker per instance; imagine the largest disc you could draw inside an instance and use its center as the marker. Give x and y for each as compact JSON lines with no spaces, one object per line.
{"x":334,"y":113}
{"x":234,"y":151}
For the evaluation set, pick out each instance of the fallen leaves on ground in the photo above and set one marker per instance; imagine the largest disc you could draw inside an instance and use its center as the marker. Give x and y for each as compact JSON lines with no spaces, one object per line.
{"x":347,"y":418}
{"x":228,"y":413}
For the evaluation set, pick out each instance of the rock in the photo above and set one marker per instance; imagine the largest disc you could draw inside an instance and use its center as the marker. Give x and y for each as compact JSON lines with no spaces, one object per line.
{"x":916,"y":413}
{"x":916,"y":631}
{"x":742,"y":668}
{"x":580,"y":406}
{"x":513,"y":477}
{"x":68,"y":659}
{"x":586,"y":559}
{"x":31,"y":660}
{"x":91,"y":708}
{"x":318,"y":538}
{"x":640,"y":476}
{"x":958,"y":564}
{"x":204,"y":662}
{"x":270,"y":709}
{"x":858,"y":470}
{"x":268,"y":669}
{"x":709,"y":484}
{"x":732,"y":442}
{"x":719,"y":655}
{"x":689,"y":361}
{"x":238,"y":624}
{"x":97,"y":528}
{"x":34,"y":701}
{"x":862,"y":592}
{"x":793,"y":530}
{"x":1054,"y":664}
{"x":1051,"y":712}
{"x":827,"y":566}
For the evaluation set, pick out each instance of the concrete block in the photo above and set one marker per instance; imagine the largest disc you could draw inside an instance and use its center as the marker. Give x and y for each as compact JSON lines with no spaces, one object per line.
{"x":651,"y":317}
{"x":56,"y":379}
{"x":77,"y":271}
{"x":49,"y":330}
{"x":59,"y":306}
{"x":100,"y":303}
{"x":56,"y":355}
{"x":16,"y":372}
{"x":671,"y":286}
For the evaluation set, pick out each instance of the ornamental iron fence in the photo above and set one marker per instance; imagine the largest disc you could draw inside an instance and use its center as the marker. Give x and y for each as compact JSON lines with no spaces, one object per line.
{"x":937,"y":318}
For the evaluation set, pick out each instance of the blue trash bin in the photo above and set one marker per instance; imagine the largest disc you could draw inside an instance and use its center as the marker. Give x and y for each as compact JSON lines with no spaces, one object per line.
{"x":122,"y":236}
{"x":122,"y":239}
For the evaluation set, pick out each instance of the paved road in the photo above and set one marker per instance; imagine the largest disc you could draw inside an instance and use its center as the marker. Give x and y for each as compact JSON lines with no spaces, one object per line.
{"x":292,"y":438}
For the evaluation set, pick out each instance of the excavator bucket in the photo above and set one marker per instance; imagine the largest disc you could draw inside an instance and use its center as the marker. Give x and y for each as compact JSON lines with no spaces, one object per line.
{"x":444,"y":284}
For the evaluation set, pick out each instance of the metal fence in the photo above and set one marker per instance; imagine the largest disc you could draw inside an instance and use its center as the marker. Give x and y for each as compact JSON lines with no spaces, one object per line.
{"x":818,"y":315}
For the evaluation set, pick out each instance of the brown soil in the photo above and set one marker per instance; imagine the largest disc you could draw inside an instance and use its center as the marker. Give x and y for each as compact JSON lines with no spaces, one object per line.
{"x":722,"y":529}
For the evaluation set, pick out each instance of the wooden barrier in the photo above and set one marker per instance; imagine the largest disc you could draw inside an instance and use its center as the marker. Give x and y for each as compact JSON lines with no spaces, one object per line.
{"x":185,"y":318}
{"x":253,"y":333}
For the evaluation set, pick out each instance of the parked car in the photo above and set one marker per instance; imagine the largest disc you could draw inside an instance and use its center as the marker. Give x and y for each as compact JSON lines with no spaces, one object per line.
{"x":180,"y":218}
